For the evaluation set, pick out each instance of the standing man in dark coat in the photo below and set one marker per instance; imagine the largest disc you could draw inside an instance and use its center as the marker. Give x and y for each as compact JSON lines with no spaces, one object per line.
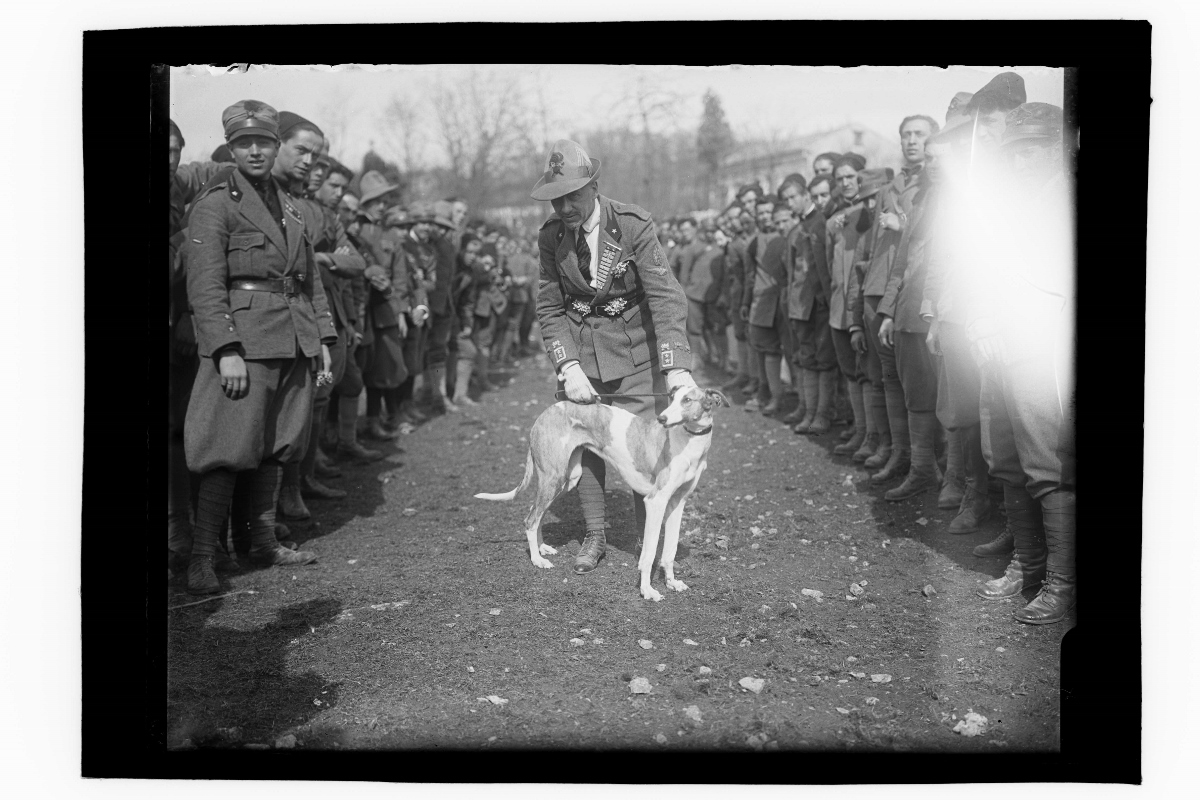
{"x":262,"y":322}
{"x":611,"y":313}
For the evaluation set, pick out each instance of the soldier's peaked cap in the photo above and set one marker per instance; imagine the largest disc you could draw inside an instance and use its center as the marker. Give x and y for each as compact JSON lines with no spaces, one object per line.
{"x":250,"y":118}
{"x":567,"y":168}
{"x":1033,"y":121}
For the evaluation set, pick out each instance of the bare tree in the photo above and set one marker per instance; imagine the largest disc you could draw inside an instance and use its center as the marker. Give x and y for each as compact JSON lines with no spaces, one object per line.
{"x":650,"y":109}
{"x":482,"y":120}
{"x":403,"y":136}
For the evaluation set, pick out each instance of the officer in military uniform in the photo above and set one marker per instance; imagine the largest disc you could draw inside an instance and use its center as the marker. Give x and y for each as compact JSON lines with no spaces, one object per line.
{"x":611,"y":313}
{"x":262,"y":320}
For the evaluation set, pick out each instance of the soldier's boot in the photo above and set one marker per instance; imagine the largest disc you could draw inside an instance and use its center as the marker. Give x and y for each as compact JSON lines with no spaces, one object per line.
{"x":435,"y":378}
{"x":1057,"y":595}
{"x":464,"y":368}
{"x":826,"y":386}
{"x":923,"y":470}
{"x":1002,"y":545}
{"x":810,"y":381}
{"x":348,"y":446}
{"x":290,"y":503}
{"x":877,"y":411}
{"x":591,"y":500}
{"x":212,"y":510}
{"x":264,"y":486}
{"x":323,"y":466}
{"x":953,"y":484}
{"x":1028,"y":566}
{"x":771,"y":366}
{"x":860,"y":422}
{"x":797,"y":414}
{"x":482,"y":366}
{"x":897,"y":466}
{"x":311,"y":487}
{"x":973,"y":510}
{"x":375,"y":430}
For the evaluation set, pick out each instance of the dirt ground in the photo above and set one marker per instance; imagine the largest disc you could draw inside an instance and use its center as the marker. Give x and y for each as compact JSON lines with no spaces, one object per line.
{"x":424,"y":625}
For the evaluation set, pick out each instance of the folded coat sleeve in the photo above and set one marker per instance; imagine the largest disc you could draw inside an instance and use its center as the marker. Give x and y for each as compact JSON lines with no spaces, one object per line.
{"x":551,"y":310}
{"x":208,"y":276}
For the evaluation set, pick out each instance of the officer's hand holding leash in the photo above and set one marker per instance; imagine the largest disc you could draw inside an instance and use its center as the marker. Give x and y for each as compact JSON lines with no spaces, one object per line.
{"x":578,"y":387}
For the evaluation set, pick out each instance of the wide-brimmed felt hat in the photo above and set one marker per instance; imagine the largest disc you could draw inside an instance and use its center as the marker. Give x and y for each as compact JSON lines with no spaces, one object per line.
{"x":958,"y":105}
{"x":443,"y":211}
{"x":1007,"y":88}
{"x":1033,"y":121}
{"x":374,"y":185}
{"x":870,"y":181}
{"x":567,"y":168}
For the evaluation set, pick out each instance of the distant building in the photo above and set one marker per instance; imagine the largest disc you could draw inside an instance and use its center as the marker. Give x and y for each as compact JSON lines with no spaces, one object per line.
{"x":768,"y":163}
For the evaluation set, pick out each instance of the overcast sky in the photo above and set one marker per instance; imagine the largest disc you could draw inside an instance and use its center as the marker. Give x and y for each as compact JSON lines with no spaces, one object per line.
{"x":757,"y":99}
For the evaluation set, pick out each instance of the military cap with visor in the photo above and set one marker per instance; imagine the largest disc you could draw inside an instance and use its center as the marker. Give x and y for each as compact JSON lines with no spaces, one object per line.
{"x":1033,"y":121}
{"x":568,"y":168}
{"x":250,"y":118}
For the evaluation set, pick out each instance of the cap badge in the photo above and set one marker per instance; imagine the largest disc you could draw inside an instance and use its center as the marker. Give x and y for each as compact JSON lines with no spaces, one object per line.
{"x":557,"y":162}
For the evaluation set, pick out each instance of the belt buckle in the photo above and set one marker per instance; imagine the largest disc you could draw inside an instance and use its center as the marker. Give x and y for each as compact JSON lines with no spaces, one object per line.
{"x":289,"y":285}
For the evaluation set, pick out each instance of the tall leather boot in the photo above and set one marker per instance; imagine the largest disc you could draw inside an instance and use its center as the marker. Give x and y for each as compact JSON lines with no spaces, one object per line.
{"x":953,"y":485}
{"x":877,"y":408}
{"x":897,"y":466}
{"x":591,"y":499}
{"x":826,"y":385}
{"x":771,"y":368}
{"x":290,"y":503}
{"x":1057,"y":595}
{"x":265,"y":550}
{"x":348,"y":446}
{"x":811,"y":381}
{"x":464,"y":368}
{"x":855,"y":390}
{"x":1028,"y":567}
{"x":923,"y":471}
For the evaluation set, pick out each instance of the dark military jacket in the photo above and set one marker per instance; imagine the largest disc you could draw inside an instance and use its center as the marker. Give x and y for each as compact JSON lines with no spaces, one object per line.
{"x":327,"y":236}
{"x":842,"y":251}
{"x":637,"y":314}
{"x":896,"y":198}
{"x":905,"y":287}
{"x":231,"y":235}
{"x":807,"y":272}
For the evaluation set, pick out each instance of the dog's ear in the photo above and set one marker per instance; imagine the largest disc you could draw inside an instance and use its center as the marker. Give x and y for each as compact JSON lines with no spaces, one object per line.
{"x":717,"y":396}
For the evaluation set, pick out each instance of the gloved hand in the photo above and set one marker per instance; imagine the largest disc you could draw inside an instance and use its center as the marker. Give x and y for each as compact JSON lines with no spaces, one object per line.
{"x":679,"y":377}
{"x":578,"y":387}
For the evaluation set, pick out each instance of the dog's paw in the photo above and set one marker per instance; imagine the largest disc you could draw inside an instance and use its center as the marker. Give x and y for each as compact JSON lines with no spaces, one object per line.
{"x":650,"y":593}
{"x":538,"y":561}
{"x":547,"y":550}
{"x":677,"y":585}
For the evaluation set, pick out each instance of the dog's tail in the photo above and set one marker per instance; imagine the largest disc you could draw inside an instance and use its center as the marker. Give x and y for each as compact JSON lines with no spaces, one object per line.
{"x":511,"y":494}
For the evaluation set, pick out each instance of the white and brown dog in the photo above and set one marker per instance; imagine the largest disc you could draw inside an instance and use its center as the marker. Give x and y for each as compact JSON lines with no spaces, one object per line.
{"x":663,"y":461}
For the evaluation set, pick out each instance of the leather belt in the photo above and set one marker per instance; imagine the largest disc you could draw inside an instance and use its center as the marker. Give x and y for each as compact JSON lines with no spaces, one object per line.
{"x":289,"y":286}
{"x":581,"y":304}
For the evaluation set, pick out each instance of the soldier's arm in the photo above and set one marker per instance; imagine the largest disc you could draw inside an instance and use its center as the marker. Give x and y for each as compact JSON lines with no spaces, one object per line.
{"x":820,"y":263}
{"x":668,"y":304}
{"x":401,"y":298}
{"x":887,"y":306}
{"x":208,"y":278}
{"x":326,"y":329}
{"x":749,"y":274}
{"x":551,"y":311}
{"x":854,"y":296}
{"x":345,"y":264}
{"x":191,"y":177}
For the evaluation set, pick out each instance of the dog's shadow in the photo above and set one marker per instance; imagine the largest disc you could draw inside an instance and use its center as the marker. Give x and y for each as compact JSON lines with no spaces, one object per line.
{"x":564,"y":524}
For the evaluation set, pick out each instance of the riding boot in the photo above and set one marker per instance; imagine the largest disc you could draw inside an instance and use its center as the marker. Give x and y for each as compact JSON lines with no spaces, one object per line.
{"x":290,"y":502}
{"x":1028,"y":567}
{"x":953,"y":489}
{"x":923,"y":470}
{"x":877,"y":409}
{"x":265,"y":550}
{"x":860,"y":421}
{"x":591,"y":499}
{"x":771,"y":365}
{"x":348,"y":446}
{"x":1057,"y":595}
{"x":826,"y":386}
{"x":464,"y":368}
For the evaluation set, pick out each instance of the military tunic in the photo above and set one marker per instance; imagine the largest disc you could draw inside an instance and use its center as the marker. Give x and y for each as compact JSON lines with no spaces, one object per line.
{"x":232,"y":235}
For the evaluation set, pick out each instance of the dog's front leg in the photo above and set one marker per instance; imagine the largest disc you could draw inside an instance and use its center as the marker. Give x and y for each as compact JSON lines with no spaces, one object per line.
{"x":671,"y":542}
{"x":655,"y":508}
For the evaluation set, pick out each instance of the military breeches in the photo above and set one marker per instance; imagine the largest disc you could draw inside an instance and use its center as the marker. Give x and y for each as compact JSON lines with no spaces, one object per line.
{"x":271,"y":422}
{"x":849,"y":362}
{"x":814,"y":341}
{"x":918,"y":373}
{"x":958,"y":379}
{"x":1028,"y":432}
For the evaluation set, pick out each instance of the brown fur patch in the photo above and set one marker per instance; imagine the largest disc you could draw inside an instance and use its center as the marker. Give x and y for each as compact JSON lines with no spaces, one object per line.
{"x":650,"y":454}
{"x":596,"y":419}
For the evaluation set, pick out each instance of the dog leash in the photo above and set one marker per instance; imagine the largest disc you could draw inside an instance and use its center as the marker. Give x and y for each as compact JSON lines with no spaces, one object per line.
{"x":561,"y":395}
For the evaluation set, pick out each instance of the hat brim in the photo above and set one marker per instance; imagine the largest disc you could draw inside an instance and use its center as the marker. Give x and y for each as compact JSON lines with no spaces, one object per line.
{"x":377,"y":193}
{"x":251,"y":131}
{"x":551,"y":190}
{"x":954,"y":132}
{"x":1022,"y":137}
{"x":443,"y":222}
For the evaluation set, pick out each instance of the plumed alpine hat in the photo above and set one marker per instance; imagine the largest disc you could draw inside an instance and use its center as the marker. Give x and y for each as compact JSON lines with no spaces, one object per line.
{"x":568,"y":168}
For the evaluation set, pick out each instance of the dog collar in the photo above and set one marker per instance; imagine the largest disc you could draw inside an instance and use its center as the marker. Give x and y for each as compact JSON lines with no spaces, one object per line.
{"x":700,"y":432}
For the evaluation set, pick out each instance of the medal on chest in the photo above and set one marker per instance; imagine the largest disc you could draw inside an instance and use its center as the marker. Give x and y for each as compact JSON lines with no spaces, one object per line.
{"x":605,"y":265}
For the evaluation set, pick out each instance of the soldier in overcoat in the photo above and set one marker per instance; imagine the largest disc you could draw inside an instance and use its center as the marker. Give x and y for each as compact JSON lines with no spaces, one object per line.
{"x":612,"y":316}
{"x":263,"y":330}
